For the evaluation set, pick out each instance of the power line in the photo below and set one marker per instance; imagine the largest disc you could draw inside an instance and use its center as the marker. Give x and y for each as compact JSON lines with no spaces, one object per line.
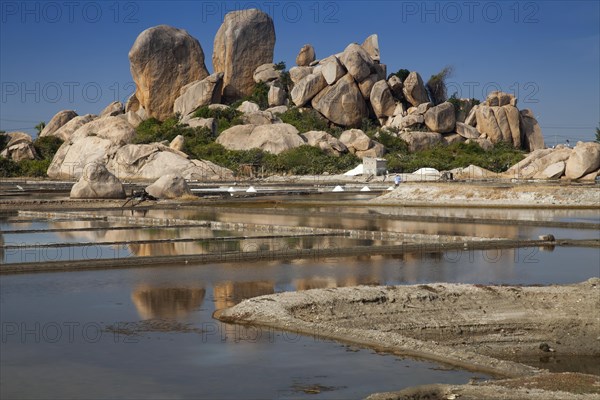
{"x":18,"y":120}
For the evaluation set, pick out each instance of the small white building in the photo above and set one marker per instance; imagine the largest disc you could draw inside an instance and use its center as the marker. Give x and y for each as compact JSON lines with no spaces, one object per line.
{"x":374,"y":166}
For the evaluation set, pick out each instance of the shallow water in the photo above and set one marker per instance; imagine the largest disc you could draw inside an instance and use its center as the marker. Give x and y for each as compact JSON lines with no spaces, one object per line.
{"x":149,"y":332}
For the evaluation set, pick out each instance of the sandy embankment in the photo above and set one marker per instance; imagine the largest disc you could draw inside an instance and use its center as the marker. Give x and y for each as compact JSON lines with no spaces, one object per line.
{"x":477,"y":327}
{"x":507,"y":195}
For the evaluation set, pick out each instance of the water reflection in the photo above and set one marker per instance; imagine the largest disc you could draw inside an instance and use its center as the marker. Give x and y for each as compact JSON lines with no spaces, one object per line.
{"x":228,"y":294}
{"x":172,"y":303}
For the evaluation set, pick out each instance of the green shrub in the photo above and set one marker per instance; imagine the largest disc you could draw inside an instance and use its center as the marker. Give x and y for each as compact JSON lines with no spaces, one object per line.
{"x":401,"y":73}
{"x":34,"y":168}
{"x":459,"y":106}
{"x":308,"y":160}
{"x":30,"y":168}
{"x":225,"y":119}
{"x":8,"y":168}
{"x":259,"y":95}
{"x":307,"y":120}
{"x":152,"y":130}
{"x":392,"y":143}
{"x":436,"y":85}
{"x":598,"y":135}
{"x":3,"y":140}
{"x":457,"y":155}
{"x":47,"y":146}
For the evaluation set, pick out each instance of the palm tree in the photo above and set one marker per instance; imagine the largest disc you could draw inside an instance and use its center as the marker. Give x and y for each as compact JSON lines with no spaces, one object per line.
{"x":40,"y":127}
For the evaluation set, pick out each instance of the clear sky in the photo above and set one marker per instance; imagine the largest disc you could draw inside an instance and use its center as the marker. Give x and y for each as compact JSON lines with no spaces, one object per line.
{"x":57,"y":55}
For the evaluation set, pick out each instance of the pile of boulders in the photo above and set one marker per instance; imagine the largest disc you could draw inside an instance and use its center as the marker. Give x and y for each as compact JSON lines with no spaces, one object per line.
{"x":19,"y":147}
{"x":345,"y":89}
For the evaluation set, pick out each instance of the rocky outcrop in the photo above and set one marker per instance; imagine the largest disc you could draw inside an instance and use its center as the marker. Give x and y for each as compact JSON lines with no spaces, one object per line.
{"x":326,"y":142}
{"x":208,"y":123}
{"x":553,"y":171}
{"x":414,"y":90}
{"x":531,"y":131}
{"x":114,"y":129}
{"x":499,"y":99}
{"x":90,"y":144}
{"x":305,"y":56}
{"x":466,"y":131}
{"x":274,"y":138}
{"x":19,"y":147}
{"x":357,"y":62}
{"x":500,"y":124}
{"x":342,"y":103}
{"x":248,"y":107}
{"x":113,"y":109}
{"x":418,"y":141}
{"x":298,"y":73}
{"x":163,"y":60}
{"x":73,"y":156}
{"x":307,"y":88}
{"x":66,"y":131}
{"x":199,"y":94}
{"x":244,"y":41}
{"x":382,"y":100}
{"x":277,"y":95}
{"x":536,"y":162}
{"x":371,"y":46}
{"x":396,"y":86}
{"x":332,"y":70}
{"x":441,"y":118}
{"x":473,"y":172}
{"x":148,"y":162}
{"x":177,"y":143}
{"x":97,"y":182}
{"x":266,"y":73}
{"x":585,"y":158}
{"x":259,"y":118}
{"x":170,"y":186}
{"x":58,"y":121}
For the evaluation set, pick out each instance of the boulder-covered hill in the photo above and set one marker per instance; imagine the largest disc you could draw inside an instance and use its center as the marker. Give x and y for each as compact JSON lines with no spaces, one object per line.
{"x":341,"y":91}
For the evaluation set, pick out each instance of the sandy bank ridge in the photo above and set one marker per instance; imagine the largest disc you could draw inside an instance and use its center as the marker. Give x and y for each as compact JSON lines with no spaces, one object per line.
{"x":477,"y":327}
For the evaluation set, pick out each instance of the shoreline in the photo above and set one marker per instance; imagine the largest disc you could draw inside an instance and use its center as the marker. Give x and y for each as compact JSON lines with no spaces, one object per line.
{"x":422,"y":321}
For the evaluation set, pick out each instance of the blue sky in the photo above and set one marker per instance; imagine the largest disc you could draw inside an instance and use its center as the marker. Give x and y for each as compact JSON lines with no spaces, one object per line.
{"x":58,"y":55}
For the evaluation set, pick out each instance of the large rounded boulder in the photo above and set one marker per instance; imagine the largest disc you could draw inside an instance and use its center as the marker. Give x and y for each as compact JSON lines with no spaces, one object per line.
{"x":97,"y":182}
{"x":163,"y":60}
{"x":245,"y":41}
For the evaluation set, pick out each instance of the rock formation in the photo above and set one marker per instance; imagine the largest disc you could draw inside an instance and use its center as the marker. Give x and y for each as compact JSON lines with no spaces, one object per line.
{"x":19,"y":147}
{"x":163,"y":60}
{"x":97,"y":182}
{"x":59,"y":120}
{"x":274,"y":138}
{"x":169,"y":186}
{"x":245,"y":41}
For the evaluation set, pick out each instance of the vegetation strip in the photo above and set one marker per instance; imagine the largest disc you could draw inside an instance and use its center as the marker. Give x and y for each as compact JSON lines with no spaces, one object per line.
{"x":226,"y":257}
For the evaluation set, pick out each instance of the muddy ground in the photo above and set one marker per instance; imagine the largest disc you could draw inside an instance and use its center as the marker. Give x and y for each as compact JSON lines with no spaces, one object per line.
{"x":477,"y":327}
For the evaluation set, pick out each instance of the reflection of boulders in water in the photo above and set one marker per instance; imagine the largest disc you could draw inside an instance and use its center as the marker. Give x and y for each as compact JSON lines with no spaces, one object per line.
{"x":1,"y":247}
{"x":314,"y":283}
{"x":166,"y":302}
{"x":153,"y":249}
{"x":228,"y":294}
{"x":332,"y":282}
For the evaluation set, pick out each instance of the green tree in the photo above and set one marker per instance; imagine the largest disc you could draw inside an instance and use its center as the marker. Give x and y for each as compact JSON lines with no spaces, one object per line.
{"x":436,"y":85}
{"x":40,"y":127}
{"x":401,"y":73}
{"x":598,"y":134}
